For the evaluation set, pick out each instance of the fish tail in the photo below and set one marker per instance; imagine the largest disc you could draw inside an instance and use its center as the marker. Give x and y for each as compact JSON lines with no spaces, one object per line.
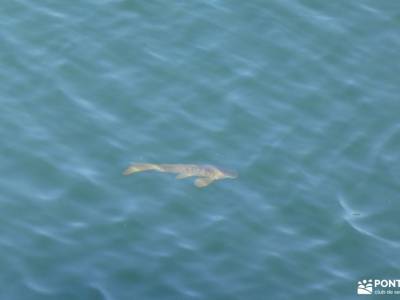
{"x":134,"y":168}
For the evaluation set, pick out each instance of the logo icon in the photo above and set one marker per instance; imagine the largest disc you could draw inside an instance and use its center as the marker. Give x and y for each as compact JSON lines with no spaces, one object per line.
{"x":365,"y":287}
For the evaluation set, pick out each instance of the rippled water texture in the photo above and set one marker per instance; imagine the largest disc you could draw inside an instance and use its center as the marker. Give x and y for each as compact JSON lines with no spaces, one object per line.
{"x":299,"y":97}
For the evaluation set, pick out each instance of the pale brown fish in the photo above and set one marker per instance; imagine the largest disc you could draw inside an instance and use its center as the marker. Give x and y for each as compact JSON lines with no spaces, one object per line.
{"x":206,"y":173}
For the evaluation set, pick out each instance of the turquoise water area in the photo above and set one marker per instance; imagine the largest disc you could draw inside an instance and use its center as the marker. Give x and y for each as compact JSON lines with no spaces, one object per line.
{"x":301,"y":98}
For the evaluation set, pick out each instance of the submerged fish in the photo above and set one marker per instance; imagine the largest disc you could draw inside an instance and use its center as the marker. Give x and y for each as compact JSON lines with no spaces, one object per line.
{"x":206,"y":173}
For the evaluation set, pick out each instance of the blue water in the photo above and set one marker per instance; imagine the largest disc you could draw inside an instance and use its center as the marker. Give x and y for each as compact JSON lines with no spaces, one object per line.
{"x":299,"y":97}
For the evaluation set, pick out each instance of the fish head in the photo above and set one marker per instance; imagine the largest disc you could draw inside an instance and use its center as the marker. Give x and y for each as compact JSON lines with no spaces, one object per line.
{"x":229,"y":174}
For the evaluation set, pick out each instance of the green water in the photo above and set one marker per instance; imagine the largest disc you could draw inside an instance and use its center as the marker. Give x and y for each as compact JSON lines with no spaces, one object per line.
{"x":299,"y":97}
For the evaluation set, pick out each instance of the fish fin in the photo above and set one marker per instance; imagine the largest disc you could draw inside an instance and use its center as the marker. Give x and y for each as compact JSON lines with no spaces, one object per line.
{"x":139,"y":167}
{"x":131,"y":169}
{"x":203,"y":182}
{"x":182,"y":175}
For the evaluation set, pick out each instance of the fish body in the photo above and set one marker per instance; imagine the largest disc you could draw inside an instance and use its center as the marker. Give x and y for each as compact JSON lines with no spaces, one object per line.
{"x":206,"y":173}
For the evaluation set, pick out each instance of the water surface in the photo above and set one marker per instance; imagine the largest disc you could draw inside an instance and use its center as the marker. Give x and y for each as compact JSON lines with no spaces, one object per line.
{"x":299,"y":97}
